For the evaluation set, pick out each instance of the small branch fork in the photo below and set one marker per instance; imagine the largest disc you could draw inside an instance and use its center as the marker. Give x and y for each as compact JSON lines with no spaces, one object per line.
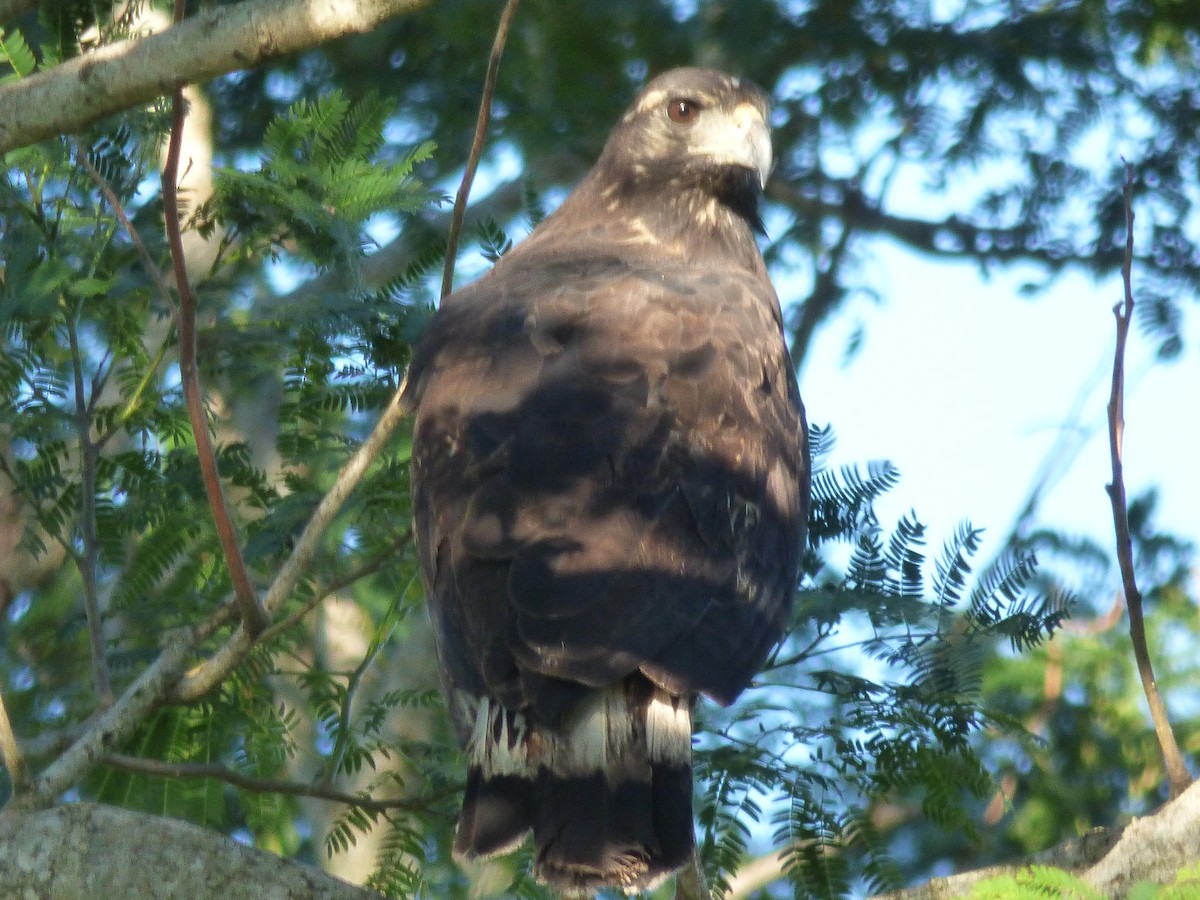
{"x":1177,"y":772}
{"x":481,"y":126}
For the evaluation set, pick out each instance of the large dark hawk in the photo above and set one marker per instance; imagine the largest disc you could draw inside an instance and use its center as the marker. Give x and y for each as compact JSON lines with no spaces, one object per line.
{"x":610,"y":483}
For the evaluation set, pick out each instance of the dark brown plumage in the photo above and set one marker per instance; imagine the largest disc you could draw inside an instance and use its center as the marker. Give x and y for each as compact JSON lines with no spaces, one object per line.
{"x":611,"y":478}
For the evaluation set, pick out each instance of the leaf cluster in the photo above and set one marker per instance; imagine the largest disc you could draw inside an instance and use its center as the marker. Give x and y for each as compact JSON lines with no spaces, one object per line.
{"x":874,"y":700}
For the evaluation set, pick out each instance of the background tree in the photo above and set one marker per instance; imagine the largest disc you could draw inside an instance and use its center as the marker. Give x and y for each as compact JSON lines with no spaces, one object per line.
{"x":271,"y":678}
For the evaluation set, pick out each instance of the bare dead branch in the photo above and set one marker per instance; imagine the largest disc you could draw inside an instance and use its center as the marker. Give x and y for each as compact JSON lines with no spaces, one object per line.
{"x":481,"y":125}
{"x":1177,"y":772}
{"x":253,"y":617}
{"x":217,"y":772}
{"x":71,"y":96}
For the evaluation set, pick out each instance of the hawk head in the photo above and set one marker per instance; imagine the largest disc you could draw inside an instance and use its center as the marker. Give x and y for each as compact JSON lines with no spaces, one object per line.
{"x":694,"y":133}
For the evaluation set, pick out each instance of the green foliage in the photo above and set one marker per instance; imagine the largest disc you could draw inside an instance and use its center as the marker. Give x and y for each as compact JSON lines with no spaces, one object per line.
{"x":319,"y":180}
{"x":493,"y":242}
{"x":99,"y":455}
{"x":1047,"y":881}
{"x":884,"y":676}
{"x":15,"y":52}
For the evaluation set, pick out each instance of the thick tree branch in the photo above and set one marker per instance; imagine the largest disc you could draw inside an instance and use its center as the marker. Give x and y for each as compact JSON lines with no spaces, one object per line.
{"x":1152,"y":849}
{"x":71,"y":96}
{"x":1177,"y":771}
{"x":477,"y":142}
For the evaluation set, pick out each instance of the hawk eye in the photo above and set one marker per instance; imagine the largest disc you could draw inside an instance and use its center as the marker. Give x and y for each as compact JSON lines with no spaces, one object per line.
{"x":682,"y":111}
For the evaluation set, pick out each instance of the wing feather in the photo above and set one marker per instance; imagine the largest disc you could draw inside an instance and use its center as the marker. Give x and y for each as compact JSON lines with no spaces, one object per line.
{"x":590,"y":463}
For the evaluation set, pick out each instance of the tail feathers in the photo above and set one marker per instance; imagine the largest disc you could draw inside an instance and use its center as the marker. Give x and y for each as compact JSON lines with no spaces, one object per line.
{"x":497,"y":813}
{"x":607,"y":794}
{"x":592,"y":833}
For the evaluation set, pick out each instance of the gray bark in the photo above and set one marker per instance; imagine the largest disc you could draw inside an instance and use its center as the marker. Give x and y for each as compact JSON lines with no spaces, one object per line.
{"x":86,"y":850}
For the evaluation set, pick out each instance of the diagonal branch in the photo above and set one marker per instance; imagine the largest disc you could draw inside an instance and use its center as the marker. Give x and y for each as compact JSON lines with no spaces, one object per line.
{"x":481,"y":125}
{"x":253,"y":617}
{"x":71,"y":96}
{"x":116,"y":724}
{"x":106,"y":191}
{"x":1177,"y":771}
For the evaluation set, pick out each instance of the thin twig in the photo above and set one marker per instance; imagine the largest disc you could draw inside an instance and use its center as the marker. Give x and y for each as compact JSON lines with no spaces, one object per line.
{"x":10,"y":751}
{"x":370,"y":567}
{"x":88,"y":561}
{"x":118,"y":208}
{"x":160,"y":769}
{"x":253,"y":617}
{"x":338,"y":755}
{"x":1177,"y":771}
{"x":481,"y":126}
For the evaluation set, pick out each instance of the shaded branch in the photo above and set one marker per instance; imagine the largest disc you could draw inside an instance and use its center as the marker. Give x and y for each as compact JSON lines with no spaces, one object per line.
{"x":477,"y":142}
{"x":71,"y":96}
{"x":88,"y":560}
{"x":217,"y":772}
{"x":1177,"y":771}
{"x":253,"y":617}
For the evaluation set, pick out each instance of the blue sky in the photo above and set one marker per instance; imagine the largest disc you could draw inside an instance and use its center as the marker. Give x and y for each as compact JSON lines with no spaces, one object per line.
{"x":966,"y":386}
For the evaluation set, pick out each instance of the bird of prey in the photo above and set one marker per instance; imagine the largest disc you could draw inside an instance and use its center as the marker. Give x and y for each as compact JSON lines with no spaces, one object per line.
{"x":610,"y":487}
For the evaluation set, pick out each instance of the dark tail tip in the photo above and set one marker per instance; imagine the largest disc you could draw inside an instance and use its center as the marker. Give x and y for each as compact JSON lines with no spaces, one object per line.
{"x":591,"y":832}
{"x":497,"y":813}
